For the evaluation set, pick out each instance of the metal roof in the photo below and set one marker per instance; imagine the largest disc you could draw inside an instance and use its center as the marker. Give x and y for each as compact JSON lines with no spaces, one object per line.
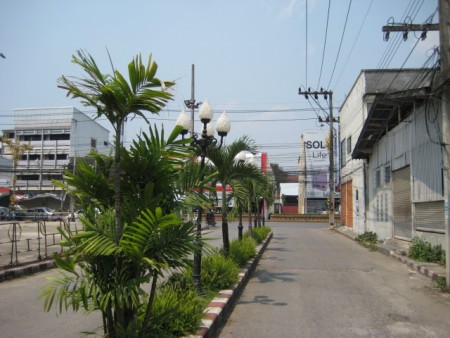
{"x":387,"y":110}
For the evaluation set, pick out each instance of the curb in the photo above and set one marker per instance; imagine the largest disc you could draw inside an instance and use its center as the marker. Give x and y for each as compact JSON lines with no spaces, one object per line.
{"x":220,"y":308}
{"x":423,"y":270}
{"x":25,"y":270}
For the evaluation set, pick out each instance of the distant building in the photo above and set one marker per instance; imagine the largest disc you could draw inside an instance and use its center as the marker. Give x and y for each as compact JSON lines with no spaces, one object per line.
{"x":57,"y":136}
{"x":314,"y":172}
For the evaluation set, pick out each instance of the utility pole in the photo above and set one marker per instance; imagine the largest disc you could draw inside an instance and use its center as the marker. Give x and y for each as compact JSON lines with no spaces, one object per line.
{"x":326,"y":94}
{"x":302,"y":191}
{"x":440,"y":86}
{"x":191,"y":103}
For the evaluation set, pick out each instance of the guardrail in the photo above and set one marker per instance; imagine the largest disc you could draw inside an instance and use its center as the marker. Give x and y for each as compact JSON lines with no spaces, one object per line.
{"x":23,"y":242}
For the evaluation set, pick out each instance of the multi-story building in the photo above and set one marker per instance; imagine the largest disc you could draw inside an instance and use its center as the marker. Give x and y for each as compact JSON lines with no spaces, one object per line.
{"x":56,"y":138}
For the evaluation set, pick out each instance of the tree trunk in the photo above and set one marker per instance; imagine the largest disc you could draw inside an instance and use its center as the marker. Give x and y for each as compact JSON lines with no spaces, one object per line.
{"x":148,"y":312}
{"x":116,"y":178}
{"x":226,"y":240}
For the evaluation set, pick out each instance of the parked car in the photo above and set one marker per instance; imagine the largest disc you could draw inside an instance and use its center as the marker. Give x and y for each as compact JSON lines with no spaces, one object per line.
{"x":4,"y":213}
{"x":43,"y":213}
{"x":17,"y":212}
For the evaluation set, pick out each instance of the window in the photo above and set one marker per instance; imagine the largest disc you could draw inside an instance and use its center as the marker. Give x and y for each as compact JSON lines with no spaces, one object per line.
{"x":343,"y":153}
{"x":93,"y":143}
{"x":378,"y":178}
{"x":34,"y":157}
{"x":377,"y":209}
{"x":30,"y":137}
{"x":386,"y":207}
{"x":61,"y":156}
{"x":49,"y":156}
{"x":59,"y":137}
{"x":387,"y":174}
{"x":28,"y":177}
{"x":349,"y":145}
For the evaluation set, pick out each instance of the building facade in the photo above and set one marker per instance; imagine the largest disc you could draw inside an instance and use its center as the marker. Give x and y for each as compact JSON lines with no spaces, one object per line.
{"x":392,"y":163}
{"x":55,"y":137}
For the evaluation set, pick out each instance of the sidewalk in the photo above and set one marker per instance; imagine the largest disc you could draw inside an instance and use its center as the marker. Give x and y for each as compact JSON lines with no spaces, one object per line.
{"x":399,"y":250}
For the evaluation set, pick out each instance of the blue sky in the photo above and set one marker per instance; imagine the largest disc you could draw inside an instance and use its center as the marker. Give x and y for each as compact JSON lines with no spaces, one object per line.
{"x":250,"y":56}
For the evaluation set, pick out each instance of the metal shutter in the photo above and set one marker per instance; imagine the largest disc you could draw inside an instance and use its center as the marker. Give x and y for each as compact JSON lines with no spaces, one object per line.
{"x":402,"y":204}
{"x":430,"y":216}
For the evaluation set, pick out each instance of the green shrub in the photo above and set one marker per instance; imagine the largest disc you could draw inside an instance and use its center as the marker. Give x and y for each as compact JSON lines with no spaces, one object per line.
{"x":424,"y":252}
{"x":368,"y":238}
{"x":218,"y":272}
{"x":441,"y":283}
{"x":176,"y":312}
{"x":242,"y":250}
{"x":259,"y":234}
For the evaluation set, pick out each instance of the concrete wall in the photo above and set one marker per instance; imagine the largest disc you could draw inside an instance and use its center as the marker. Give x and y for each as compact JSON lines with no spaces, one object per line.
{"x":352,"y":116}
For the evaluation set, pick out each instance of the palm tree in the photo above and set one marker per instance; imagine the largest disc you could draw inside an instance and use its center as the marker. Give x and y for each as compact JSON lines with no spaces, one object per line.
{"x":110,"y":273}
{"x":248,"y":192}
{"x":116,"y":98}
{"x":229,"y":169}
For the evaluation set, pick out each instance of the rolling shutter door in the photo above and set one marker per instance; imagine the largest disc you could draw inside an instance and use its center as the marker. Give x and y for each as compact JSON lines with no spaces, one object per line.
{"x":402,"y":204}
{"x":430,"y":216}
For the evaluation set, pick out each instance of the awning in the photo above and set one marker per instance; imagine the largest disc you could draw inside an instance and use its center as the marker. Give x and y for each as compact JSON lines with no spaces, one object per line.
{"x":385,"y":113}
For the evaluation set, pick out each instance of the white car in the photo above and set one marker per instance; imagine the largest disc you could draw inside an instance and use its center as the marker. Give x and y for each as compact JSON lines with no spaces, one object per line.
{"x":43,"y":213}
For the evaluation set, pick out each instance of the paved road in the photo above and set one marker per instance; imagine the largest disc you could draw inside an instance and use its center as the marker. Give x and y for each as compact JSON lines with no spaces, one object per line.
{"x":314,"y":282}
{"x":22,"y":316}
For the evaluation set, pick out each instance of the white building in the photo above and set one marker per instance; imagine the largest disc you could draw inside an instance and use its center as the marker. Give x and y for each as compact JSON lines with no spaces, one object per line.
{"x":391,"y":156}
{"x":57,"y":137}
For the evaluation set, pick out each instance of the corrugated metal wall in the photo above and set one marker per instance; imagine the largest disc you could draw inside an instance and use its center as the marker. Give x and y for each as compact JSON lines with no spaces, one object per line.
{"x":426,"y":156}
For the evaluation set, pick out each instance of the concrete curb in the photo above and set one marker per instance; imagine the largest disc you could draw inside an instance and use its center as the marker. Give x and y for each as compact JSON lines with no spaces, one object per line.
{"x":26,"y":269}
{"x":220,"y":308}
{"x":422,"y":269}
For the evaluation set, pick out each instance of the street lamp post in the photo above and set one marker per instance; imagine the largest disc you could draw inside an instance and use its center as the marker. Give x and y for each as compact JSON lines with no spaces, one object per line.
{"x":241,"y":157}
{"x":203,"y":141}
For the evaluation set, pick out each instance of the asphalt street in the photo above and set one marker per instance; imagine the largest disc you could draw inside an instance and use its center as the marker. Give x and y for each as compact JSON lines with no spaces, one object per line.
{"x":315,"y":282}
{"x":310,"y":282}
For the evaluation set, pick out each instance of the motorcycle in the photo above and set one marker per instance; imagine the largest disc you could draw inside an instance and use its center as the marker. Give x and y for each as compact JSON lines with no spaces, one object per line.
{"x":210,"y":219}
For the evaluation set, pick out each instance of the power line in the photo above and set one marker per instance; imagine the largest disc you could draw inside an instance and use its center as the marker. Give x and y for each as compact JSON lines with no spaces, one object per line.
{"x":324,"y":43}
{"x":340,"y":43}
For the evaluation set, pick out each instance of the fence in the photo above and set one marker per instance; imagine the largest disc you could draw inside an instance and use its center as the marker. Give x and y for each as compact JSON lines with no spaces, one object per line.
{"x":32,"y":240}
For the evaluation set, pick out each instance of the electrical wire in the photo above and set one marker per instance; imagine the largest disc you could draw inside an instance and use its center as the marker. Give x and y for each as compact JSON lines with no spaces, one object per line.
{"x":354,"y":44}
{"x":340,"y":43}
{"x":324,"y":43}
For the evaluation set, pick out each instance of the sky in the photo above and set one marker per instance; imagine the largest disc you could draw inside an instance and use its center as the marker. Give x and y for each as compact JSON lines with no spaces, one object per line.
{"x":251,"y":57}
